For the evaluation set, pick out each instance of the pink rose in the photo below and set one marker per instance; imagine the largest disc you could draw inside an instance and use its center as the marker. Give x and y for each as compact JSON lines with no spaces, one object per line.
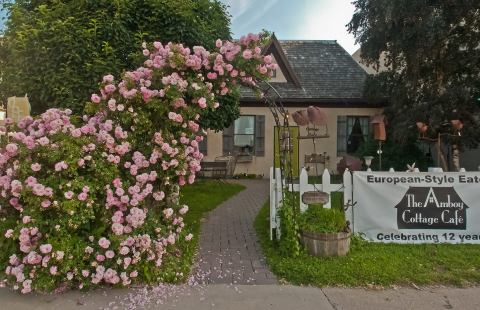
{"x":247,"y":54}
{"x":183,"y":210}
{"x":117,"y":229}
{"x":110,"y":254}
{"x":59,"y":255}
{"x":110,"y":88}
{"x":202,"y":103}
{"x":108,"y":78}
{"x":76,"y":133}
{"x":211,"y":75}
{"x":46,"y":203}
{"x":100,"y":258}
{"x":124,"y":250}
{"x":158,"y":195}
{"x":69,"y":195}
{"x":95,"y":98}
{"x":82,"y":196}
{"x":112,"y":104}
{"x":104,"y":243}
{"x":46,"y":248}
{"x":9,"y":233}
{"x":36,"y":167}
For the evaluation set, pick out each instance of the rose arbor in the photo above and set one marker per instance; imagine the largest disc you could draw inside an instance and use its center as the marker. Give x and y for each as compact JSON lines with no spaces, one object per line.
{"x":94,"y":200}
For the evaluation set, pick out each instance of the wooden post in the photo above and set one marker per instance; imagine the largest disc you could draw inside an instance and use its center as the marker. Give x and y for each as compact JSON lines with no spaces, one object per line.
{"x":303,"y":188}
{"x":273,"y":206}
{"x":348,"y":196}
{"x":327,"y":188}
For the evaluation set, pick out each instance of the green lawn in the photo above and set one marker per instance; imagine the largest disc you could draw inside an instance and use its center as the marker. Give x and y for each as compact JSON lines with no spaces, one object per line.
{"x":375,"y":264}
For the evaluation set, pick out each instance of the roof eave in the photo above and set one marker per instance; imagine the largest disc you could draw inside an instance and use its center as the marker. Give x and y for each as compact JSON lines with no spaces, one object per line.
{"x":320,"y":102}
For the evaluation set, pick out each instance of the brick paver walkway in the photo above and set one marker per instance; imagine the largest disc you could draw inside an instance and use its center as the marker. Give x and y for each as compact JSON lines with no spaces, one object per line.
{"x":229,"y":248}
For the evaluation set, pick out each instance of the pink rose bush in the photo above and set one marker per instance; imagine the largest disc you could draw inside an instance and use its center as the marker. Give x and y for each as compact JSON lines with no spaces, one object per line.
{"x":94,"y":200}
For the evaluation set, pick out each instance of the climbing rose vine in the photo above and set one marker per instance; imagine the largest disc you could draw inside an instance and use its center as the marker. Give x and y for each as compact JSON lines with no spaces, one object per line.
{"x":94,"y":200}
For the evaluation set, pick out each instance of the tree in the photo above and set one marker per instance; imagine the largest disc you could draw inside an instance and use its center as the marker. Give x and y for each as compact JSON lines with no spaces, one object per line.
{"x":56,"y":50}
{"x":432,"y":50}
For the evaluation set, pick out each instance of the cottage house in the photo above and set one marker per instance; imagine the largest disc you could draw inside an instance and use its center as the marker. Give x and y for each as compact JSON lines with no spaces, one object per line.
{"x":310,"y":73}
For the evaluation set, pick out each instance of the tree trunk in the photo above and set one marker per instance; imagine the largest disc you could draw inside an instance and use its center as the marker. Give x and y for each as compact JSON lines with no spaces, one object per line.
{"x":456,"y":157}
{"x":441,"y":157}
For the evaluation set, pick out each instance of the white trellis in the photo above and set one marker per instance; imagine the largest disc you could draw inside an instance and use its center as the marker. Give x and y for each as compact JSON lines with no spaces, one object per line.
{"x":276,"y":199}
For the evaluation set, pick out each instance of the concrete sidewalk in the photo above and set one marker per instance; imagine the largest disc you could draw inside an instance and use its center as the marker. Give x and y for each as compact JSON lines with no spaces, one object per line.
{"x":244,"y":297}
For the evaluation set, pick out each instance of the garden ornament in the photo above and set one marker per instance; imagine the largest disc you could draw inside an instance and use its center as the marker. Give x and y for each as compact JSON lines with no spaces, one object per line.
{"x":316,"y":116}
{"x":411,"y":168}
{"x":300,"y":117}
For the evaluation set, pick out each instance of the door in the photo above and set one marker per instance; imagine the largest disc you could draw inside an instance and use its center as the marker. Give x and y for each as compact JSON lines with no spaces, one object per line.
{"x":288,"y":143}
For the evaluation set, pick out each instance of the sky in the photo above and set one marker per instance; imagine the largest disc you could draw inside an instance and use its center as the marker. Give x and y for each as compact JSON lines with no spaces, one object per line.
{"x":291,"y":19}
{"x":294,"y":19}
{"x":2,"y":15}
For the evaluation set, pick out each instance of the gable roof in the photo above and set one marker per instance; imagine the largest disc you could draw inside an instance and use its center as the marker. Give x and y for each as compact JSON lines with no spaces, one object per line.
{"x":276,"y":50}
{"x":319,"y":70}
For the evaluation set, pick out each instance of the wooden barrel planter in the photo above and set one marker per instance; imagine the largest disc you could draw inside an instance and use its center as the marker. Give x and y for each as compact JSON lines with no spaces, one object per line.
{"x":326,"y":244}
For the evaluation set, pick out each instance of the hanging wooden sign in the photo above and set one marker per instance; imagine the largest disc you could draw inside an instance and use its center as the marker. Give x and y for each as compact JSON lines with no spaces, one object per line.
{"x":315,"y":158}
{"x":314,"y":197}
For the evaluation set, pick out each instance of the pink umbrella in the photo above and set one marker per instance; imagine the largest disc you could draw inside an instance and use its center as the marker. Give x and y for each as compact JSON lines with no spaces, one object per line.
{"x":316,"y":116}
{"x":300,"y":117}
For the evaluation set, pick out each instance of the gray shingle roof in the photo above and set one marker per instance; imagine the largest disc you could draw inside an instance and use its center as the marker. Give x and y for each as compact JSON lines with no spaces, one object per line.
{"x":324,"y":69}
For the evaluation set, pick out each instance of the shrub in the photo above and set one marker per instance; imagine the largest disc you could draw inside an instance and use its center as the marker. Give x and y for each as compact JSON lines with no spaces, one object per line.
{"x":320,"y":220}
{"x":289,"y":244}
{"x":94,"y":200}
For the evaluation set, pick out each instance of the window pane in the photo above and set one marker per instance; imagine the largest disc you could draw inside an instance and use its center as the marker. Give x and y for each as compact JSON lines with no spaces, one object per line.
{"x":245,"y":125}
{"x":341,"y":134}
{"x":357,"y":129}
{"x":243,"y":140}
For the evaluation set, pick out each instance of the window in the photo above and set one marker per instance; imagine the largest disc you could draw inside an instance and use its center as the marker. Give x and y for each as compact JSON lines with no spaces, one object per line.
{"x":352,"y":131}
{"x":245,"y":136}
{"x":203,"y":146}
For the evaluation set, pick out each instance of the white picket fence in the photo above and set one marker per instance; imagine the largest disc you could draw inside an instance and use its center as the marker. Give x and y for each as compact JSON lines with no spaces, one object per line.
{"x":277,"y":184}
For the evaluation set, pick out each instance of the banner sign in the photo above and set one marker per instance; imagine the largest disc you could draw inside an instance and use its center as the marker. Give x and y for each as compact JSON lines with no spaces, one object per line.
{"x":406,"y":207}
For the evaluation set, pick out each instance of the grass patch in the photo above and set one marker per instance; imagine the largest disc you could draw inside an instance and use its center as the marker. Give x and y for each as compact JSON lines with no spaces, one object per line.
{"x":201,"y":197}
{"x":371,"y":263}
